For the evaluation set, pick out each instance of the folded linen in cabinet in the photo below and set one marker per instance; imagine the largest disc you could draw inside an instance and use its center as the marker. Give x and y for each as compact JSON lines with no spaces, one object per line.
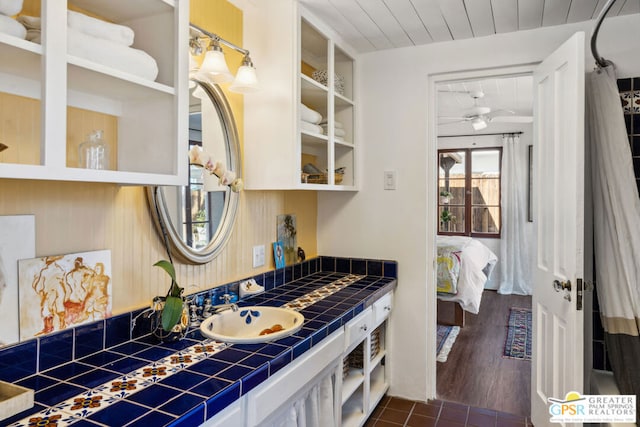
{"x":110,"y":54}
{"x":309,"y":115}
{"x":336,"y":124}
{"x":336,"y":131}
{"x":33,"y":26}
{"x":101,"y":29}
{"x":30,"y":22}
{"x":10,"y":7}
{"x":12,"y":27}
{"x":310,"y":127}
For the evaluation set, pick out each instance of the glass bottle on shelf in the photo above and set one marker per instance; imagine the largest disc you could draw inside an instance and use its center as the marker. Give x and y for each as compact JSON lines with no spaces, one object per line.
{"x":94,"y":152}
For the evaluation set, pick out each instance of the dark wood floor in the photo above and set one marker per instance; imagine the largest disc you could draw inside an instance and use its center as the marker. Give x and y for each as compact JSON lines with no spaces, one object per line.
{"x":397,"y":412}
{"x":475,"y":373}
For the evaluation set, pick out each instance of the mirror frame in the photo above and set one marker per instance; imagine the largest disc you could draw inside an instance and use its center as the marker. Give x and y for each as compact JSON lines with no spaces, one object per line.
{"x":157,"y":201}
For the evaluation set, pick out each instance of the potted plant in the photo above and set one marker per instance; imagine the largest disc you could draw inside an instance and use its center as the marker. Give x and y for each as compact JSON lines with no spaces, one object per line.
{"x":174,"y":318}
{"x":446,"y":216}
{"x":445,"y":196}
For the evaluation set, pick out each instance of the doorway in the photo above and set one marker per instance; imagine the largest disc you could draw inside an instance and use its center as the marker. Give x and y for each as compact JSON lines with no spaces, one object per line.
{"x":474,"y":112}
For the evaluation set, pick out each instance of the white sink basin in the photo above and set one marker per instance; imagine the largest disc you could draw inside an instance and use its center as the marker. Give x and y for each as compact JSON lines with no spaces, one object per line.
{"x":250,"y":325}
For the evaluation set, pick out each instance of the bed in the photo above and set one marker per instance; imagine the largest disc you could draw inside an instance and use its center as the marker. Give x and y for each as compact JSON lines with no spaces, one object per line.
{"x":463,"y":267}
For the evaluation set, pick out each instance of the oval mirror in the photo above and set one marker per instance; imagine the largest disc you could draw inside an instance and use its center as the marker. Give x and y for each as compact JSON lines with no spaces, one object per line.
{"x":196,"y":220}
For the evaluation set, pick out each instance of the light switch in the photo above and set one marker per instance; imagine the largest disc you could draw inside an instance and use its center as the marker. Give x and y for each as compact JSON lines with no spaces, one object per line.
{"x":258,"y":256}
{"x":389,"y":180}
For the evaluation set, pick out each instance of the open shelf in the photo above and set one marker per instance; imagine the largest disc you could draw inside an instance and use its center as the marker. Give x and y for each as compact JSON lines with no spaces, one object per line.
{"x":353,"y":411}
{"x":65,"y":97}
{"x":351,"y":382}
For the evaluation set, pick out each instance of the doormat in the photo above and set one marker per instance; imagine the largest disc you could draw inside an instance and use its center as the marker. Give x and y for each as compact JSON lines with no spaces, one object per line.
{"x":446,"y":338}
{"x":517,"y":345}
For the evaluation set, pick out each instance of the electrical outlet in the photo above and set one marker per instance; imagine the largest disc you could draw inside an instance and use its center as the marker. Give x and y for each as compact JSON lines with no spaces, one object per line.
{"x":258,"y":256}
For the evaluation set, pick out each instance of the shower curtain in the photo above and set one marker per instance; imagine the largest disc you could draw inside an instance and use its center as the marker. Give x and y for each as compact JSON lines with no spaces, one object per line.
{"x":616,"y":217}
{"x":515,"y":275}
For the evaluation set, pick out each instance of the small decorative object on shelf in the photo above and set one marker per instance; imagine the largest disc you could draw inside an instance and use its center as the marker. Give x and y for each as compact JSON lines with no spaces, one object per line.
{"x":94,"y":152}
{"x":322,"y":77}
{"x":312,"y":175}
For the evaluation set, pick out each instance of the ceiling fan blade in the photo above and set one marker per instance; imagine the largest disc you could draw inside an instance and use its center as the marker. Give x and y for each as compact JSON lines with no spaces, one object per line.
{"x":512,"y":119}
{"x":452,"y":123}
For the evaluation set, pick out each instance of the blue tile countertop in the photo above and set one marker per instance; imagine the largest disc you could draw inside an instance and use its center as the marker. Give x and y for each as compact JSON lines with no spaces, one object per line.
{"x":93,"y":376}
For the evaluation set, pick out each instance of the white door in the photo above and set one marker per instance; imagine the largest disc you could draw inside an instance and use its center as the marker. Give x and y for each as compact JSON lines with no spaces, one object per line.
{"x":557,"y":365}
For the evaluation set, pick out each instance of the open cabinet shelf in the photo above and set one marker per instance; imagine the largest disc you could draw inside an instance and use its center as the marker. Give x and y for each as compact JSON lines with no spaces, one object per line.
{"x":275,"y":156}
{"x":365,"y":378}
{"x":59,"y":98}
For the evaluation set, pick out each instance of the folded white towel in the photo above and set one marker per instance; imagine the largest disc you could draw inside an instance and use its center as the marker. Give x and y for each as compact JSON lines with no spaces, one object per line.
{"x":101,"y":29}
{"x":339,"y":132}
{"x":34,"y":36}
{"x":30,"y":22}
{"x":309,"y":115}
{"x":336,"y":131}
{"x":10,"y":7}
{"x":310,"y":127}
{"x":337,"y":124}
{"x":110,"y":54}
{"x":12,"y":27}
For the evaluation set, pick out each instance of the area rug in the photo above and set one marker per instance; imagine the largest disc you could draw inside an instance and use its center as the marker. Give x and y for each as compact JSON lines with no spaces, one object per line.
{"x":517,"y":345}
{"x":446,"y":337}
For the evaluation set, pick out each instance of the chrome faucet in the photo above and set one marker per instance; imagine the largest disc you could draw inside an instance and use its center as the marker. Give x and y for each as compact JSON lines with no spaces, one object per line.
{"x":226,"y":305}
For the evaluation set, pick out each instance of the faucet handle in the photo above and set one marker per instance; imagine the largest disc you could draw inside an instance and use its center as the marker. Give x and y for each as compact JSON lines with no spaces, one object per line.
{"x":226,"y":298}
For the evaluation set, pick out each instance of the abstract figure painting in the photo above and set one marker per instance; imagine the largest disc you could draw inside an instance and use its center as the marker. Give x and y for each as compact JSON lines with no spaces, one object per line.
{"x":57,"y":292}
{"x":17,"y":241}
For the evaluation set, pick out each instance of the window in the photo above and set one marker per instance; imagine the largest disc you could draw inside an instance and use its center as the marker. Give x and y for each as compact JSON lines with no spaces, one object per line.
{"x":202,"y":207}
{"x":469,"y":188}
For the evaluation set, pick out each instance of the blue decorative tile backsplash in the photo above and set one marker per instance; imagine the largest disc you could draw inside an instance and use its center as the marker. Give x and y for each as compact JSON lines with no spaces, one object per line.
{"x":107,"y":372}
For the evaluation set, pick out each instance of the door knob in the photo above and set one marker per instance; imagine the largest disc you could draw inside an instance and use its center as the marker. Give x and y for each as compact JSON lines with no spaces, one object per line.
{"x":565,"y":286}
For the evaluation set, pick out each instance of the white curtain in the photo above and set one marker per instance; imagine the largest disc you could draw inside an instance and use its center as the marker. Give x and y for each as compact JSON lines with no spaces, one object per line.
{"x":314,"y":409}
{"x":515,"y":272}
{"x":616,"y":225}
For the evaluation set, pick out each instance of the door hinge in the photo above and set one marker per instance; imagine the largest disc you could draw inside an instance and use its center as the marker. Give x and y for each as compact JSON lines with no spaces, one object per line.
{"x":579,"y":294}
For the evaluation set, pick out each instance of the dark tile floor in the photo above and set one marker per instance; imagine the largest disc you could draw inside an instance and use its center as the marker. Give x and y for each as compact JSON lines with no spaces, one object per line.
{"x":394,"y":412}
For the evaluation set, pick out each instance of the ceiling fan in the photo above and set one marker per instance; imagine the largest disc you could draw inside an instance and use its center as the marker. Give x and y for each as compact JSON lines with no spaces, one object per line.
{"x":479,"y":117}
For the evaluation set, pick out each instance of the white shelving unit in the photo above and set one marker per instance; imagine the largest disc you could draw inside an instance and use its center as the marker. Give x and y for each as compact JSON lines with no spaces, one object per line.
{"x":288,"y":43}
{"x":366,"y":380}
{"x":149,"y":132}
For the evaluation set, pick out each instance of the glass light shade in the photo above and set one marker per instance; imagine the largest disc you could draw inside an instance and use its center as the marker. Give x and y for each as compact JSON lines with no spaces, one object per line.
{"x":246,"y":80}
{"x":214,"y":68}
{"x":478,"y":123}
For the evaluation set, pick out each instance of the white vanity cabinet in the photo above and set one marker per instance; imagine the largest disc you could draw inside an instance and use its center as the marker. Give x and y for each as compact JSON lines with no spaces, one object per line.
{"x":353,"y":355}
{"x":59,"y":98}
{"x":288,"y":43}
{"x":365,"y":379}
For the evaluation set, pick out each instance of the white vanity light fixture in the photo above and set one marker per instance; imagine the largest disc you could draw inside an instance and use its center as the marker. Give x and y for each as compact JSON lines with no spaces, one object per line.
{"x":214,"y":67}
{"x":246,"y":79}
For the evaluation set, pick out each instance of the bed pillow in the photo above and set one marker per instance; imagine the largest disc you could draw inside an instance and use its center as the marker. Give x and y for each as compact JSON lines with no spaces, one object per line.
{"x":448,"y":261}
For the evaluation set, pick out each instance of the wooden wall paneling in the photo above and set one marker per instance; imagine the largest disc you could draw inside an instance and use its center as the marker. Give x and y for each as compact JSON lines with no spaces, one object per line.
{"x":20,"y":129}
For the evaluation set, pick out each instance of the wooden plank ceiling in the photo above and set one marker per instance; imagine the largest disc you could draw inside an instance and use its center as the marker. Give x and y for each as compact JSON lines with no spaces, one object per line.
{"x":370,"y":25}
